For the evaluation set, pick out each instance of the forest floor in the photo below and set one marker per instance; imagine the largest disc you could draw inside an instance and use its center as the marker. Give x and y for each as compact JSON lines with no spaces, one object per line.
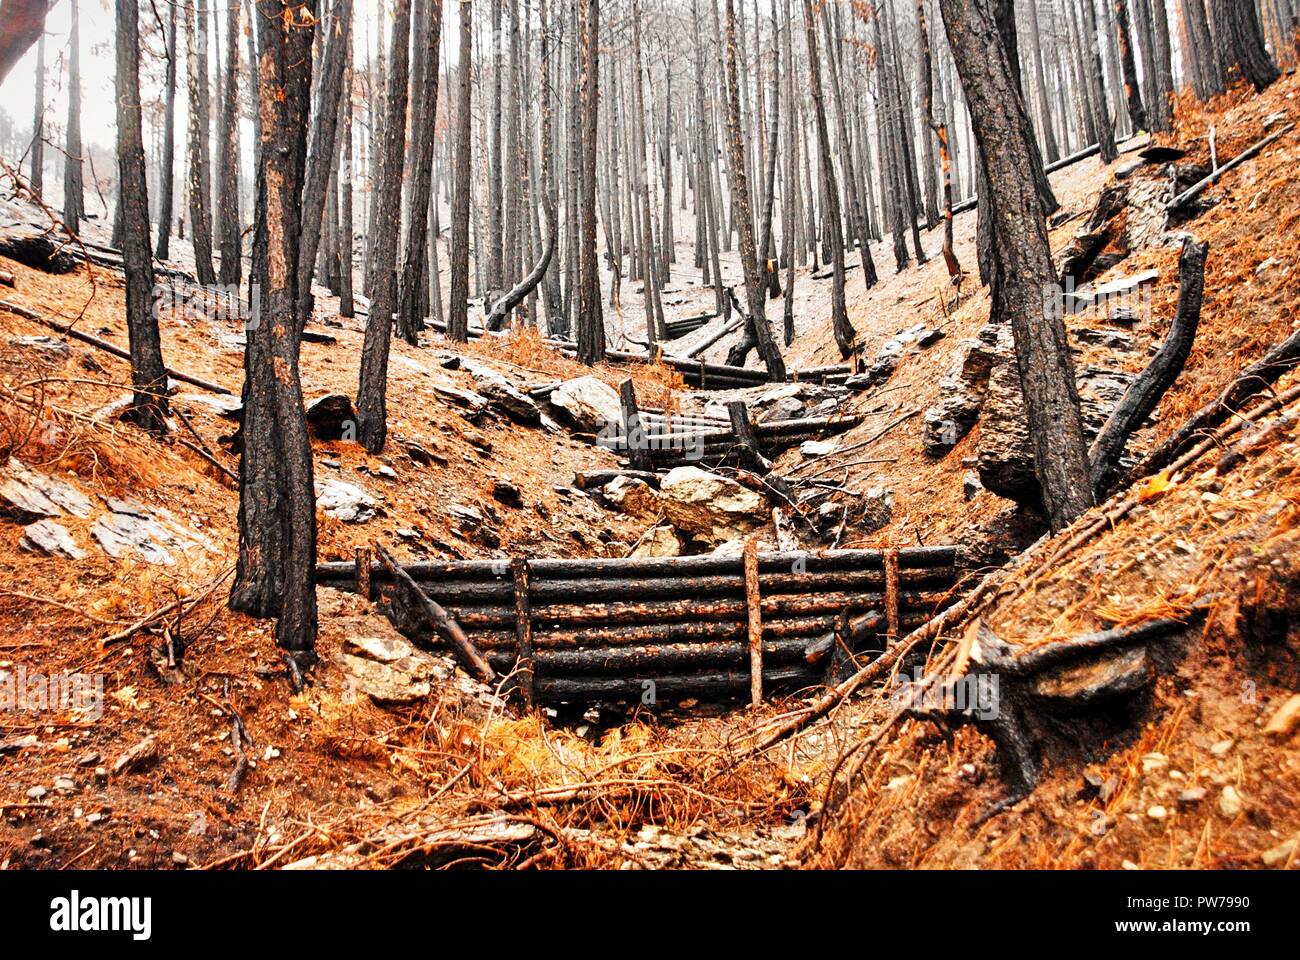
{"x":1187,"y":777}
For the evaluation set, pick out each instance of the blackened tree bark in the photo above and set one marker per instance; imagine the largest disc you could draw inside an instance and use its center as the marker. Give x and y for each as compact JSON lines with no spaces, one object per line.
{"x":228,"y":173}
{"x":591,"y":322}
{"x":941,"y":133}
{"x":37,"y":152}
{"x":1101,"y":115}
{"x":755,"y":287}
{"x":1162,"y":58}
{"x":148,"y":375}
{"x":845,"y":336}
{"x":1023,"y":271}
{"x":458,"y":304}
{"x":321,"y":153}
{"x":196,"y":37}
{"x":1240,"y":40}
{"x":276,"y":572}
{"x":1137,"y":110}
{"x":346,"y":306}
{"x":168,"y":175}
{"x":74,"y":197}
{"x":372,"y":424}
{"x":409,"y":313}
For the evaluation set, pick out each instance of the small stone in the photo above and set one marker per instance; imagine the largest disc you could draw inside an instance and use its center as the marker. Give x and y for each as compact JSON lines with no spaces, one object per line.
{"x":1157,"y":812}
{"x":96,"y":818}
{"x":504,"y":491}
{"x":1152,"y":762}
{"x":1130,"y":865}
{"x":1284,"y":721}
{"x":88,"y":759}
{"x":101,"y":774}
{"x":1221,"y":748}
{"x":1192,"y":795}
{"x":180,"y":859}
{"x":65,"y":785}
{"x":1230,"y":802}
{"x":1282,"y":853}
{"x":36,"y":793}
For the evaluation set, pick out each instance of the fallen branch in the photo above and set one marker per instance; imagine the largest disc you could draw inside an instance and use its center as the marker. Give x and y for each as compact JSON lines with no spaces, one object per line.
{"x":1186,"y":197}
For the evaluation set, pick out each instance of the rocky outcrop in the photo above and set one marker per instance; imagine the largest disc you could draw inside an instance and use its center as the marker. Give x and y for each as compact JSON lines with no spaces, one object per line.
{"x":147,"y":533}
{"x":27,"y":495}
{"x":962,"y":391}
{"x":659,"y":542}
{"x":332,"y":417}
{"x":390,"y":671}
{"x":344,"y":501}
{"x":46,"y":536}
{"x":634,"y":497}
{"x":793,"y":401}
{"x":891,"y":353}
{"x":708,"y":507}
{"x":588,"y":405}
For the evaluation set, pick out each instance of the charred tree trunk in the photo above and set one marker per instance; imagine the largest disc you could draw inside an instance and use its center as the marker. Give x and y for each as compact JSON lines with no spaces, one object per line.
{"x":591,"y":323}
{"x":1022,"y":266}
{"x":1240,"y":40}
{"x":276,"y":573}
{"x":37,"y":178}
{"x":1137,"y":110}
{"x":372,"y":423}
{"x":148,"y":375}
{"x":228,"y":172}
{"x":168,"y":175}
{"x":458,"y":304}
{"x":74,"y":199}
{"x":409,"y":315}
{"x":755,"y":288}
{"x":196,"y":36}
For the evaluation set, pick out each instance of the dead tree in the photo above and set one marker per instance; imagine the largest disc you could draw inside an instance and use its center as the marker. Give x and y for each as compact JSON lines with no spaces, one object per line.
{"x":148,"y":375}
{"x":755,"y":288}
{"x":74,"y":199}
{"x":228,"y":232}
{"x":591,"y":322}
{"x":412,"y":290}
{"x":37,"y":153}
{"x":167,"y":176}
{"x":1240,"y":41}
{"x":196,"y":37}
{"x":1022,"y":264}
{"x":1137,"y":110}
{"x":1144,"y":393}
{"x":276,"y":572}
{"x":372,"y":424}
{"x":458,"y":304}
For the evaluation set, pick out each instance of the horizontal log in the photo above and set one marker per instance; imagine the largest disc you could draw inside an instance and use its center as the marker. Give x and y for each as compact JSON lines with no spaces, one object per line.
{"x":651,"y":660}
{"x":572,"y":569}
{"x":693,"y":685}
{"x":596,"y":479}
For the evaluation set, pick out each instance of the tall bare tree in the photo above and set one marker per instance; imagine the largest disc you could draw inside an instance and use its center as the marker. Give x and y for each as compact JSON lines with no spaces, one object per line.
{"x":74,"y":197}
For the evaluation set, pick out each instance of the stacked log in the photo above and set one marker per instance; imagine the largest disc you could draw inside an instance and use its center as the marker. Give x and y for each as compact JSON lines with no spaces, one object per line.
{"x":613,"y":629}
{"x":676,"y":329}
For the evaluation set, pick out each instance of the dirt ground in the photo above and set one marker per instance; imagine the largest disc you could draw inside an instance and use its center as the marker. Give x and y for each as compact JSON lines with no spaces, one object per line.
{"x":334,"y":780}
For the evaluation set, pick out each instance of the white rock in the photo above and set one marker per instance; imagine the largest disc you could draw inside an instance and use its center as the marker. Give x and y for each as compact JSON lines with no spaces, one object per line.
{"x":345,"y":501}
{"x":590,"y":404}
{"x":712,"y":508}
{"x":46,"y":536}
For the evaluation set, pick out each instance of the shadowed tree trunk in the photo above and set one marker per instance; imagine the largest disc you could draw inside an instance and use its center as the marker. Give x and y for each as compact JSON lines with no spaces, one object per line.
{"x":1022,"y":265}
{"x":1137,"y":110}
{"x":1240,"y":40}
{"x":346,"y":306}
{"x":845,"y":336}
{"x":458,"y":302}
{"x":372,"y":425}
{"x":591,"y":322}
{"x":74,"y":199}
{"x":409,"y":314}
{"x":320,"y":156}
{"x":755,"y":288}
{"x":168,"y":175}
{"x":1096,"y":82}
{"x":37,"y":178}
{"x":148,"y":375}
{"x":196,"y":38}
{"x":276,"y":573}
{"x":1206,"y":76}
{"x":228,"y":173}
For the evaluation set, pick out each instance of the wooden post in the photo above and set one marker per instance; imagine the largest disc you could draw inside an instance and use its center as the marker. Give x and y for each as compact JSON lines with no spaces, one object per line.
{"x":523,"y":632}
{"x":638,"y":451}
{"x":891,"y":595}
{"x":753,"y":602}
{"x":363,"y":557}
{"x":751,"y":457}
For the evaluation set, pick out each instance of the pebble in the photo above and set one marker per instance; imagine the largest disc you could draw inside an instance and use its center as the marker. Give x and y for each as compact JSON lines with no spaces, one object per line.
{"x":65,"y":785}
{"x":1192,"y":795}
{"x":88,"y":759}
{"x":1154,"y":761}
{"x":1230,"y":802}
{"x":36,"y":793}
{"x":1221,"y":748}
{"x":1157,"y":812}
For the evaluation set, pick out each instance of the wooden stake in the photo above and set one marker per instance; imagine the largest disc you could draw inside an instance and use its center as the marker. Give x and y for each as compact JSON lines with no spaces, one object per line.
{"x":523,"y":632}
{"x":753,"y":602}
{"x":891,"y":594}
{"x":363,"y":557}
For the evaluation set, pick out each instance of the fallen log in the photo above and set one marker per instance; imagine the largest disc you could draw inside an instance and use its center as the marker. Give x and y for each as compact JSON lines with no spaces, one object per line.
{"x":644,"y":661}
{"x":596,"y":479}
{"x":1252,"y":381}
{"x":107,"y":347}
{"x":1144,"y":393}
{"x":1185,"y":198}
{"x":465,"y":652}
{"x":726,"y":331}
{"x":696,"y":685}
